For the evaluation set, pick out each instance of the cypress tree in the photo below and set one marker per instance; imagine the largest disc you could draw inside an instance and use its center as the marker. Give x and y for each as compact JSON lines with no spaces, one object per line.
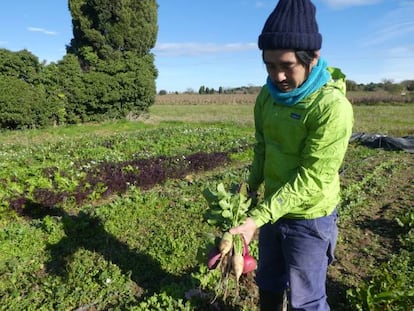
{"x":110,"y":27}
{"x":112,"y":40}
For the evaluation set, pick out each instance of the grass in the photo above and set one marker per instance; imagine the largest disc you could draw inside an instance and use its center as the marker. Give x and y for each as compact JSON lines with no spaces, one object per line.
{"x":145,"y":249}
{"x":54,"y":134}
{"x":241,"y":114}
{"x":393,"y":120}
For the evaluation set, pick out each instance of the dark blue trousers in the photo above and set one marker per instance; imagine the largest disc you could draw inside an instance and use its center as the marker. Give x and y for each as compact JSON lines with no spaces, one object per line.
{"x":295,"y":254}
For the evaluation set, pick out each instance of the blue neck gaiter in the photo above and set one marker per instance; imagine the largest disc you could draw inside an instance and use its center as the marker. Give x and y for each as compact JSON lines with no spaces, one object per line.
{"x":317,"y":78}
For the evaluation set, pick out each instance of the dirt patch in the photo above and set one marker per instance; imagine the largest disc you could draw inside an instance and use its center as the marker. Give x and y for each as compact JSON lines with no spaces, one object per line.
{"x":371,"y":236}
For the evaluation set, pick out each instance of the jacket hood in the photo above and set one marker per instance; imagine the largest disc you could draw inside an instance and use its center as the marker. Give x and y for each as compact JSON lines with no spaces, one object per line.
{"x":338,"y":79}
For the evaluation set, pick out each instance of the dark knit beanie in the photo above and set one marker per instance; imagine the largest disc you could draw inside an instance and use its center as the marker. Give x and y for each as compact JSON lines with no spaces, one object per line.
{"x":291,"y":25}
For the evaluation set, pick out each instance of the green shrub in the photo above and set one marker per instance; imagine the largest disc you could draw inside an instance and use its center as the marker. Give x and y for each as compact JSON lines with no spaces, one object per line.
{"x":22,"y":105}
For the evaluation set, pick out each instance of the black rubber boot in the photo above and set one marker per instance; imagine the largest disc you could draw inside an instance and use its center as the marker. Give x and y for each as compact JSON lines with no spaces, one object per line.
{"x":271,"y":301}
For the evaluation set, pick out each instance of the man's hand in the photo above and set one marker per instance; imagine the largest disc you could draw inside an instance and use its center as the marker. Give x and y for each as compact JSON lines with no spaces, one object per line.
{"x":247,"y":229}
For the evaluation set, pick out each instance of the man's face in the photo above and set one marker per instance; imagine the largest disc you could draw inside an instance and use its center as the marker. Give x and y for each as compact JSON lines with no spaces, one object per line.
{"x":285,"y":70}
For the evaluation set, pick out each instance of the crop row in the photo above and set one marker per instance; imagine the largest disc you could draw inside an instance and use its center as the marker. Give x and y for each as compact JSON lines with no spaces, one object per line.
{"x":92,"y":167}
{"x":116,"y":220}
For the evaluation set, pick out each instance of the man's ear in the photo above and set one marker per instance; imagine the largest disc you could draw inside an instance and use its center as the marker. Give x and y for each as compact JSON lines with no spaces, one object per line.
{"x":316,"y":58}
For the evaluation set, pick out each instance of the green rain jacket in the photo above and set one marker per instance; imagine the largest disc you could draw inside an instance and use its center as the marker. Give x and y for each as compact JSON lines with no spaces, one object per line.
{"x":299,"y":151}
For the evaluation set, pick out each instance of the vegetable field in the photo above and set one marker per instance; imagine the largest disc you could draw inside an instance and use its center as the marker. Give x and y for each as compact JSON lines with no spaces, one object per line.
{"x":112,"y":216}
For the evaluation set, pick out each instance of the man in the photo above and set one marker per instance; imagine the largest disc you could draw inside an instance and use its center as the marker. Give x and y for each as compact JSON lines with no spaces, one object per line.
{"x":303,"y":123}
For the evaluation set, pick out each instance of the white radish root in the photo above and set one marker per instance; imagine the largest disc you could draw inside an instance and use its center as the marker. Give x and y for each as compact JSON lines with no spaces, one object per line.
{"x":226,"y":244}
{"x":237,"y":264}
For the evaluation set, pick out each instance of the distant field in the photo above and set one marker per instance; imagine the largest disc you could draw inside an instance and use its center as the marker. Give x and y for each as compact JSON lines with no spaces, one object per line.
{"x":391,"y":119}
{"x":192,"y":99}
{"x":387,"y":119}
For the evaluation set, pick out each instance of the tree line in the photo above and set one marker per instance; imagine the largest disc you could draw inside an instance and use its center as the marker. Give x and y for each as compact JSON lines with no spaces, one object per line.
{"x":386,"y":85}
{"x":403,"y":88}
{"x":108,"y":71}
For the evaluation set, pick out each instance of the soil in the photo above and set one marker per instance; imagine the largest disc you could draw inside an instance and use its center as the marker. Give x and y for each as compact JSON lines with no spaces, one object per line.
{"x":372,"y":235}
